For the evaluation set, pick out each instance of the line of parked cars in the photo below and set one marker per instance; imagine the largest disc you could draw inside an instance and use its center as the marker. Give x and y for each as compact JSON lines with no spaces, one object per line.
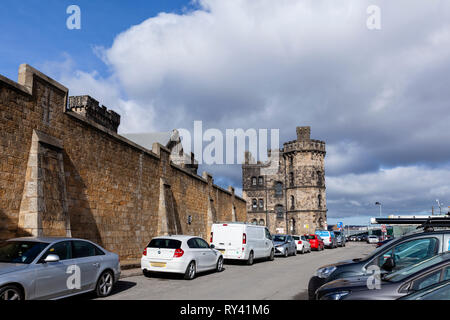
{"x":189,"y":255}
{"x":54,"y":268}
{"x":413,"y":267}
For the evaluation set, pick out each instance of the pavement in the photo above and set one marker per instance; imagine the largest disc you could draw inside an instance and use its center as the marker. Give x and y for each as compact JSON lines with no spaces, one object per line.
{"x":283,"y":278}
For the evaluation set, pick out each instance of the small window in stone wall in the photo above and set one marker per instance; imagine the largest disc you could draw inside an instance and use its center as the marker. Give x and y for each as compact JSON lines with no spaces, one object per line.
{"x":278,"y":189}
{"x":262,"y":222}
{"x":260,"y":181}
{"x":292,"y":202}
{"x":319,"y":178}
{"x":254,"y":181}
{"x":319,"y":200}
{"x":254,"y":204}
{"x":261,"y":203}
{"x":279,"y":210}
{"x":291,"y":179}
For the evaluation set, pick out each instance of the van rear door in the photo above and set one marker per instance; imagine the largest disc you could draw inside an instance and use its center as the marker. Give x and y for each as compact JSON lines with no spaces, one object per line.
{"x":227,"y":237}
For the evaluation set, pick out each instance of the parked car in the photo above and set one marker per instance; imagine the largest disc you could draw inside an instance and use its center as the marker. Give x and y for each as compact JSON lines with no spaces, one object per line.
{"x":340,"y":238}
{"x":353,"y":238}
{"x":302,"y":243}
{"x":381,"y":243}
{"x":438,"y":291}
{"x":372,"y":239}
{"x":404,"y":251}
{"x":284,"y":245}
{"x":242,"y":241}
{"x":315,"y":241}
{"x":42,"y":268}
{"x":180,"y":254}
{"x":328,"y":238}
{"x":392,"y":286}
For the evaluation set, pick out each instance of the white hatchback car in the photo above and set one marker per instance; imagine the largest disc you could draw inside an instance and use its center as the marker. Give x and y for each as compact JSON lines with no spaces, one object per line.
{"x":302,"y":243}
{"x":182,"y":254}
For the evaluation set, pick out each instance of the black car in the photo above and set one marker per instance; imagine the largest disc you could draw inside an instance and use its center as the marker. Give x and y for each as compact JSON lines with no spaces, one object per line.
{"x":439,"y":291}
{"x":391,"y":286}
{"x":394,"y":255}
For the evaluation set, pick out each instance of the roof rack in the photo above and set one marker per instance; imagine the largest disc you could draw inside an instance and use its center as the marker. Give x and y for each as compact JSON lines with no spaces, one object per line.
{"x":432,"y":223}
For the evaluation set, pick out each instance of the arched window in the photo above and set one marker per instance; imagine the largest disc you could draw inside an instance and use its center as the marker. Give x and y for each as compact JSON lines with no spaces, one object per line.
{"x":253,"y":181}
{"x":261,"y":203}
{"x":278,"y":189}
{"x":254,"y":221}
{"x":262,"y":222}
{"x":319,"y":200}
{"x":254,"y":204}
{"x":292,"y":202}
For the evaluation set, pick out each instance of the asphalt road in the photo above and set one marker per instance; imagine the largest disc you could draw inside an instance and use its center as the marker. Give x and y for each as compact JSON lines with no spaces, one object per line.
{"x":284,"y":278}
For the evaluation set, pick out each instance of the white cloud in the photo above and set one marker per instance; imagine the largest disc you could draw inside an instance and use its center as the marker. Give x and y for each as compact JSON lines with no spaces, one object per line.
{"x":378,"y":98}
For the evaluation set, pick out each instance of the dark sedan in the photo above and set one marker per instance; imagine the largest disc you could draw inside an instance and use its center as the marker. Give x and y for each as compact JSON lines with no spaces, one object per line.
{"x":403,"y":252}
{"x":391,"y":286}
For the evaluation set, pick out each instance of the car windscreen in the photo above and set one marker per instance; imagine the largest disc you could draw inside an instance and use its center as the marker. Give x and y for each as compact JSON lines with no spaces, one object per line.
{"x":279,"y":238}
{"x":406,"y":272}
{"x":21,"y":251}
{"x":296,"y":237}
{"x":310,"y":237}
{"x":165,"y":244}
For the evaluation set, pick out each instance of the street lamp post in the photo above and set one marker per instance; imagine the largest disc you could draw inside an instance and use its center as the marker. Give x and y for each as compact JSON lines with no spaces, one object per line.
{"x":378,"y":204}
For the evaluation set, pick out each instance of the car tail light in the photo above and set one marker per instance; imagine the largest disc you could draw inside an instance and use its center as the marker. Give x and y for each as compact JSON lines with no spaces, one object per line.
{"x":178,"y":253}
{"x":211,"y":239}
{"x":225,"y":225}
{"x":145,"y":252}
{"x":244,"y":239}
{"x":299,"y":242}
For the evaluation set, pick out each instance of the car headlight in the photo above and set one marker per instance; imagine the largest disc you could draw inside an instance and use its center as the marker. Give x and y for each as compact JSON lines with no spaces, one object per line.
{"x":325,"y":272}
{"x":335,"y":295}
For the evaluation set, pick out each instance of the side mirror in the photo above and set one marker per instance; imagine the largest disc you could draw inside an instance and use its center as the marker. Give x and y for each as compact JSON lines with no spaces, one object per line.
{"x":388,"y":265}
{"x":212,"y":246}
{"x":51,"y":258}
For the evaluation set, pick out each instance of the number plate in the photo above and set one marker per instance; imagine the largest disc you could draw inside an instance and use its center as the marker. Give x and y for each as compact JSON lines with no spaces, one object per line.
{"x":158,"y":264}
{"x":222,"y":251}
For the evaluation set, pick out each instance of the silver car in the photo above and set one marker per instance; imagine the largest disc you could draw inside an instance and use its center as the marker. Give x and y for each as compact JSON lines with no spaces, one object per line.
{"x":284,"y":245}
{"x":53,"y":268}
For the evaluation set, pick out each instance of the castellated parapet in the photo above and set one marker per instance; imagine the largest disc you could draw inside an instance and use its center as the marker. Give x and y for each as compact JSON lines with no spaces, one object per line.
{"x":91,"y":109}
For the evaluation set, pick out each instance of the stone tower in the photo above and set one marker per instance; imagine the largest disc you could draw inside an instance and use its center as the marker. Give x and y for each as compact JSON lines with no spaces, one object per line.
{"x":292,"y":199}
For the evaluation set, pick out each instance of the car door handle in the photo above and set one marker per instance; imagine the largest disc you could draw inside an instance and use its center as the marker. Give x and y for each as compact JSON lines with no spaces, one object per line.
{"x":96,"y":264}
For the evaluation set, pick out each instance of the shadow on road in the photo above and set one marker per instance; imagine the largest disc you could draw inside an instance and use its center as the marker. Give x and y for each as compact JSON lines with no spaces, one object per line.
{"x":119,"y":287}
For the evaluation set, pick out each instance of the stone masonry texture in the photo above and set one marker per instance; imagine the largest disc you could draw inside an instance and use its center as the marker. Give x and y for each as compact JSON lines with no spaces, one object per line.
{"x":64,"y":171}
{"x":290,"y":198}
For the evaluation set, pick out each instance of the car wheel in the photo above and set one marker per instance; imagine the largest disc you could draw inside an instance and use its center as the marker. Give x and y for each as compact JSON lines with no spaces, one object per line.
{"x":295,"y":252}
{"x":11,"y":292}
{"x":303,"y":250}
{"x":146,"y":273}
{"x":105,"y":284}
{"x":250,"y":258}
{"x":286,"y":252}
{"x":272,"y":255}
{"x":190,"y":271}
{"x":219,"y":267}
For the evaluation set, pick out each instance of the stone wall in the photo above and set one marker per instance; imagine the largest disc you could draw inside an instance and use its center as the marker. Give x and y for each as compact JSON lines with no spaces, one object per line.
{"x":65,"y":174}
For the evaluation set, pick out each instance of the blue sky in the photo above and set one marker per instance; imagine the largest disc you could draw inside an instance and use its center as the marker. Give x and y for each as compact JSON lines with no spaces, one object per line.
{"x":36,"y":30}
{"x":379,"y":99}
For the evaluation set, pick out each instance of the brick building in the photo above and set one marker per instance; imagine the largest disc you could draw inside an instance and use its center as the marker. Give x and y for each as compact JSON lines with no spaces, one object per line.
{"x":64,"y":171}
{"x":290,"y":198}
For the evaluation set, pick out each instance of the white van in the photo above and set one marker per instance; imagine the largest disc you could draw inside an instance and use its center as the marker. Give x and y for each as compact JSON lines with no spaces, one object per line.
{"x":242,"y":241}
